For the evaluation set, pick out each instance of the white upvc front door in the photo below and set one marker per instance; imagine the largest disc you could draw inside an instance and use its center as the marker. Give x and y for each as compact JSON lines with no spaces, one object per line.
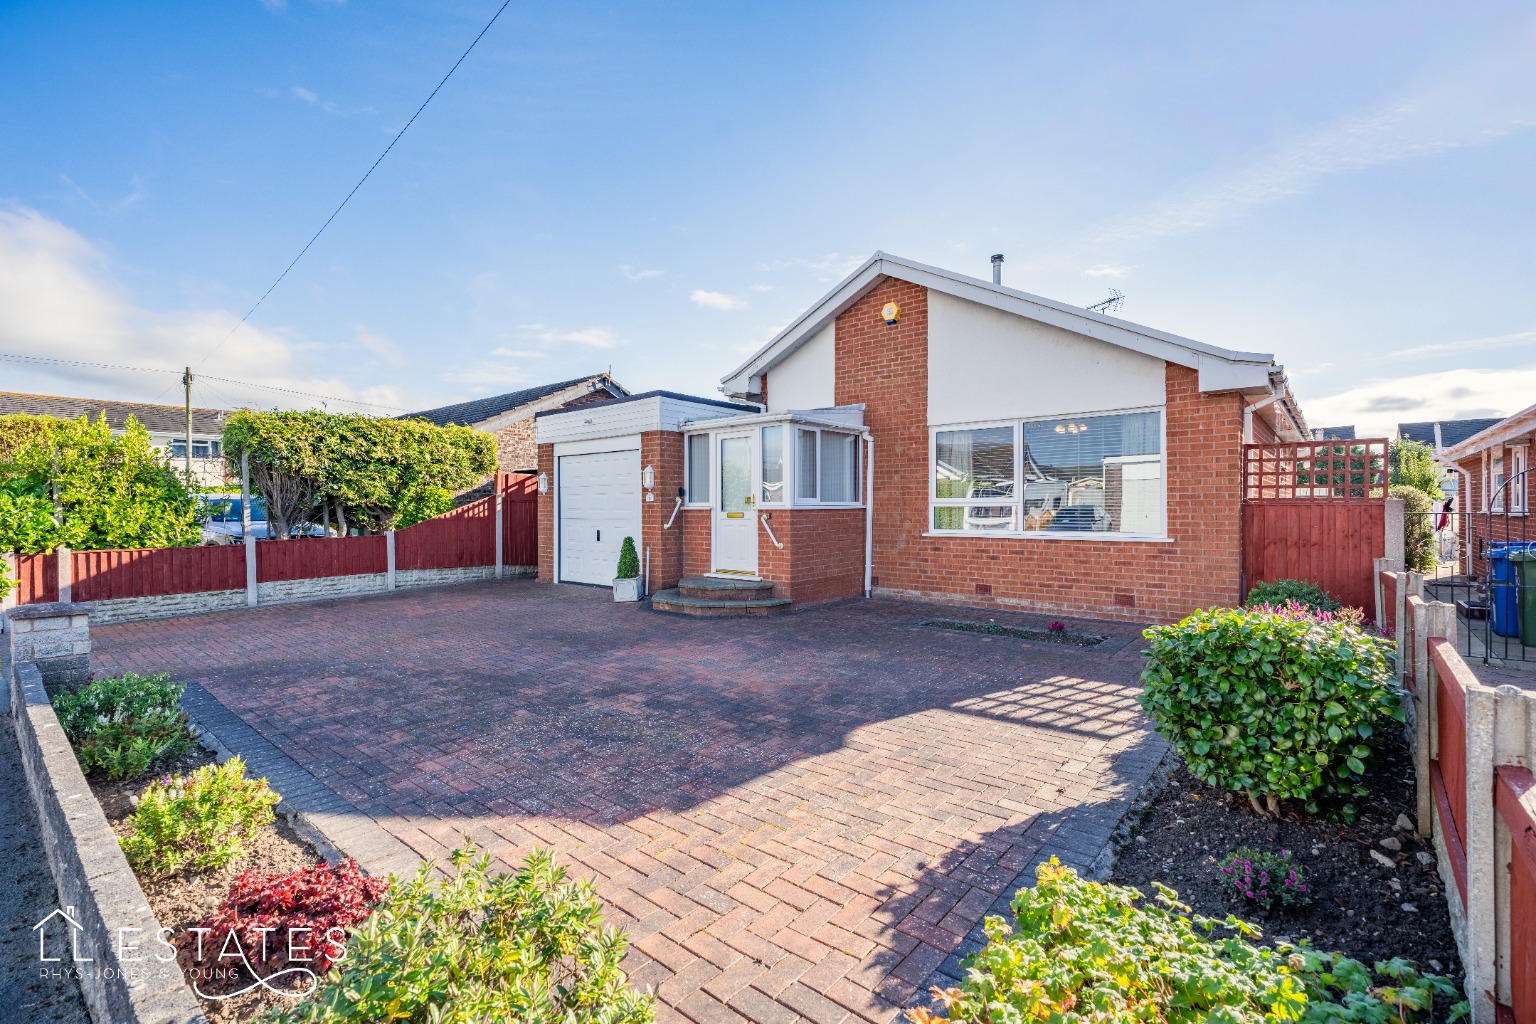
{"x":735,"y":513}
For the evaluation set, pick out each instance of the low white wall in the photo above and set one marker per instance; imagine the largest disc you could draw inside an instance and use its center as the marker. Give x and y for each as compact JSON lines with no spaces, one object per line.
{"x":164,"y":606}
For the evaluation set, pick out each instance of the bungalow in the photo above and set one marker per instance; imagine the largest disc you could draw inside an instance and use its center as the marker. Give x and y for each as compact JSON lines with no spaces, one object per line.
{"x":922,"y":434}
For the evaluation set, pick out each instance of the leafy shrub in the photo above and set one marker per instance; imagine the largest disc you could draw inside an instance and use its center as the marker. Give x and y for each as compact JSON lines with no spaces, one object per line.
{"x":1083,"y":951}
{"x":1267,"y":879}
{"x":122,"y":727}
{"x":282,"y":920}
{"x":529,"y":946}
{"x":1283,"y":592}
{"x":202,"y":820}
{"x":1274,"y":705}
{"x":629,"y":560}
{"x":1418,"y":528}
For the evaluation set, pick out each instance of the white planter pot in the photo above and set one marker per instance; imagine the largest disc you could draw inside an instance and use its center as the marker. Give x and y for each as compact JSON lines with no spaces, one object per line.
{"x":626,"y":590}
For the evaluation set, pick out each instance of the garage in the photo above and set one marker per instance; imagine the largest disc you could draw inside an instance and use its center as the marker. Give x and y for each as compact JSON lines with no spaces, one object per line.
{"x":599,"y":505}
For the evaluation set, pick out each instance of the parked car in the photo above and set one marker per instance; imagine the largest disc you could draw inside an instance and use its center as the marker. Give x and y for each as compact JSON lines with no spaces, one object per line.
{"x":1080,"y":517}
{"x":225,"y":522}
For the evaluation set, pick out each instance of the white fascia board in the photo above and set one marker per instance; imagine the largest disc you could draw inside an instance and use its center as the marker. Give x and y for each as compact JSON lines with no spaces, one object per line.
{"x":677,"y":413}
{"x":1135,"y":337}
{"x":828,"y":418}
{"x":1522,"y":422}
{"x":601,"y":420}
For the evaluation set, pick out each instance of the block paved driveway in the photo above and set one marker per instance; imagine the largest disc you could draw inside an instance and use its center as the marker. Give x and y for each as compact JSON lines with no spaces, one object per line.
{"x":803,"y":817}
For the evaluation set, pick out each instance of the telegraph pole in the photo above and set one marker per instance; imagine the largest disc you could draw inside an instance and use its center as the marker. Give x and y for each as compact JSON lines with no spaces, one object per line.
{"x":186,"y":380}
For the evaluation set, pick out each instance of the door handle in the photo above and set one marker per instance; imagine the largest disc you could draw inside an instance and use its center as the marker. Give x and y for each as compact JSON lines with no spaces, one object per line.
{"x":749,"y":500}
{"x":599,"y":535}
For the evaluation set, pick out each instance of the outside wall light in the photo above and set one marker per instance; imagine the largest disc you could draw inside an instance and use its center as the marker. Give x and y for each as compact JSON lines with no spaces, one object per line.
{"x":648,"y":477}
{"x":543,"y":483}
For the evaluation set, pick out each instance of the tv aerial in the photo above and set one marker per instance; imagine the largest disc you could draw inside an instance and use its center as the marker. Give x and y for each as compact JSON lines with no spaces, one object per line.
{"x":1115,"y":301}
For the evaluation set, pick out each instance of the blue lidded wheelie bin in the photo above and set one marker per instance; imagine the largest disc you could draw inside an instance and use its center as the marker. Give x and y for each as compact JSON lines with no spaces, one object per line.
{"x":1505,"y":586}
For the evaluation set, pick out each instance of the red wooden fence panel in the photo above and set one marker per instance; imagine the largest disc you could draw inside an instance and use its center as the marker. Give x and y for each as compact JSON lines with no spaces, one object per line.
{"x":1448,"y":773}
{"x":455,"y":540}
{"x":1330,"y":542}
{"x":38,"y":578}
{"x":520,"y":512}
{"x":313,"y":557}
{"x":145,"y":572}
{"x":1512,"y":784}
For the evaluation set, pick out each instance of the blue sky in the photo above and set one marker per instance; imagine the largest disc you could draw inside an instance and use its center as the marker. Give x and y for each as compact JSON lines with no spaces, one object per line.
{"x":660,"y":188}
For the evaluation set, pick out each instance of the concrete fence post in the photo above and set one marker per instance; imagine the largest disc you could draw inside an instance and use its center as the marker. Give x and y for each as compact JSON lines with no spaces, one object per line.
{"x":501,"y":530}
{"x":9,"y":574}
{"x":1379,"y":566}
{"x":66,"y":565}
{"x":1481,"y":846}
{"x":389,"y":560}
{"x":1395,"y":545}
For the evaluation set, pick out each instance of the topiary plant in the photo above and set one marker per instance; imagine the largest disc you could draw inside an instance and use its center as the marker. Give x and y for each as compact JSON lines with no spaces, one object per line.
{"x":1280,"y":592}
{"x":1086,"y":952}
{"x":629,"y":561}
{"x":1277,"y":706}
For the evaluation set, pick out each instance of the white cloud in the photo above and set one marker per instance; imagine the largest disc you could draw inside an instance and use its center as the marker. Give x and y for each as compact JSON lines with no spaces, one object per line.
{"x":716,"y":300}
{"x":639,"y":275}
{"x":762,"y":288}
{"x":1376,"y":407}
{"x":60,"y":300}
{"x":314,"y":100}
{"x":1466,"y":345}
{"x":387,"y":351}
{"x":1110,"y":270}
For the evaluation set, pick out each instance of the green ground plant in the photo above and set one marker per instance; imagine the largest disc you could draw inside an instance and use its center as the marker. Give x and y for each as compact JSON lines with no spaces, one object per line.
{"x":199,"y":821}
{"x":1081,"y":951}
{"x":124,"y":726}
{"x":1279,"y":592}
{"x":1274,"y":705}
{"x":528,"y":946}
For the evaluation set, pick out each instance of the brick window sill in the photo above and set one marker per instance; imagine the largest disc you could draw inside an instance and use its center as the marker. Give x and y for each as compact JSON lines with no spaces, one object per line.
{"x":1077,"y":535}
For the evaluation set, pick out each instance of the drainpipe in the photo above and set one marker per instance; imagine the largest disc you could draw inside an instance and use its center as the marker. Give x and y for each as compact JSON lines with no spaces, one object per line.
{"x":869,"y":514}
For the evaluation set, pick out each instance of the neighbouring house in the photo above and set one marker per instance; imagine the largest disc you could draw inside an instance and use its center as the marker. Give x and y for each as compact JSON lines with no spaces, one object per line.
{"x":510,"y":416}
{"x":1494,"y":468}
{"x":166,"y":424}
{"x":1333,"y":433}
{"x":1443,"y":434}
{"x":922,"y":434}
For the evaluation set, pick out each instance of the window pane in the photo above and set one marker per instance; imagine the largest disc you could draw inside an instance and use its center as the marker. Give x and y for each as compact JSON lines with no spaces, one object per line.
{"x":839,"y":467}
{"x":698,"y":468}
{"x":976,"y":518}
{"x":973,"y":463}
{"x":200,"y":449}
{"x":735,"y":474}
{"x":1101,"y":473}
{"x":805,"y":461}
{"x":773,"y":464}
{"x":179,"y":447}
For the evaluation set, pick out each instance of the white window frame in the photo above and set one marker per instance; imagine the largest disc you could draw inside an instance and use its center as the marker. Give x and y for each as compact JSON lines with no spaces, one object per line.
{"x":787,"y":483}
{"x":792,"y":467}
{"x":1496,"y":469}
{"x":1517,"y":465}
{"x":689,"y":501}
{"x":1017,"y":502}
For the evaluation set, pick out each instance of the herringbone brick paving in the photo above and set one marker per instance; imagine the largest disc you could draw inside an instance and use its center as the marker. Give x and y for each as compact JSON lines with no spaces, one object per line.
{"x":804,"y":817}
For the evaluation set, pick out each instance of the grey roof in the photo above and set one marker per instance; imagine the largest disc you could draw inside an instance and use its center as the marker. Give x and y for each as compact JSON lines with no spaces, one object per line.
{"x":467,"y":414}
{"x":157,"y":419}
{"x":1334,"y":433}
{"x":1452,"y":432}
{"x":695,"y":399}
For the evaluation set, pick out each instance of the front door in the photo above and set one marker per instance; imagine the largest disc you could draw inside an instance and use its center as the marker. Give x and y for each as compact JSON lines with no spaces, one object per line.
{"x":735,"y":527}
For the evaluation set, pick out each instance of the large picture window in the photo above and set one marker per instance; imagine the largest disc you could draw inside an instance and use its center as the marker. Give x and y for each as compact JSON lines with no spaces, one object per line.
{"x":1099,"y":473}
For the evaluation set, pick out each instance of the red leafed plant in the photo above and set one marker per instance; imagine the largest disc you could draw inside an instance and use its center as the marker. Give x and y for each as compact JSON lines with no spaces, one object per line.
{"x":278,"y":920}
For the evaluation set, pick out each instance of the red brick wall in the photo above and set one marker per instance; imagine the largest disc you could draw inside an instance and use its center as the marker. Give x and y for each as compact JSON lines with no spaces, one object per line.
{"x":696,"y":550}
{"x":1479,"y":528}
{"x":547,"y":516}
{"x":885,"y":367}
{"x":662,"y":450}
{"x":515,"y":447}
{"x":823,"y":555}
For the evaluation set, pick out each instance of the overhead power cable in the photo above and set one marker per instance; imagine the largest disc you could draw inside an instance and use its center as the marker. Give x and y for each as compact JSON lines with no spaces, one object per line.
{"x":360,"y":181}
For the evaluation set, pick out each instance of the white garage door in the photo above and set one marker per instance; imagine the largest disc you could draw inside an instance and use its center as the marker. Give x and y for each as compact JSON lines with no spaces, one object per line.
{"x":599,"y":497}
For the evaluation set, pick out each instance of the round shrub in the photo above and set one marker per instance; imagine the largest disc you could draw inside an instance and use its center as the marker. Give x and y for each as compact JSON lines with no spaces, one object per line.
{"x":1274,"y":705}
{"x":1418,"y":528}
{"x":1280,"y":592}
{"x":124,"y":726}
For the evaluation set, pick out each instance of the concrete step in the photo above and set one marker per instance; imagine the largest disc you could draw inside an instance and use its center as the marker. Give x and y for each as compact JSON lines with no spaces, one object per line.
{"x":710,"y":588}
{"x":682,"y":604}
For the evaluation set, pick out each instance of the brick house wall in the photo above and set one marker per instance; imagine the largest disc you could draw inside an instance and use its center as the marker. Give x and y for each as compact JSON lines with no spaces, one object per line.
{"x":662,"y":450}
{"x":516,"y":449}
{"x":696,"y":549}
{"x":1477,"y":527}
{"x":885,"y":368}
{"x":546,"y":460}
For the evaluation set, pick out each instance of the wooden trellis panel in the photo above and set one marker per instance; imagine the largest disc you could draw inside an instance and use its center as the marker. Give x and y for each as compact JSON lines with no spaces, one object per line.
{"x":1353,"y":470}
